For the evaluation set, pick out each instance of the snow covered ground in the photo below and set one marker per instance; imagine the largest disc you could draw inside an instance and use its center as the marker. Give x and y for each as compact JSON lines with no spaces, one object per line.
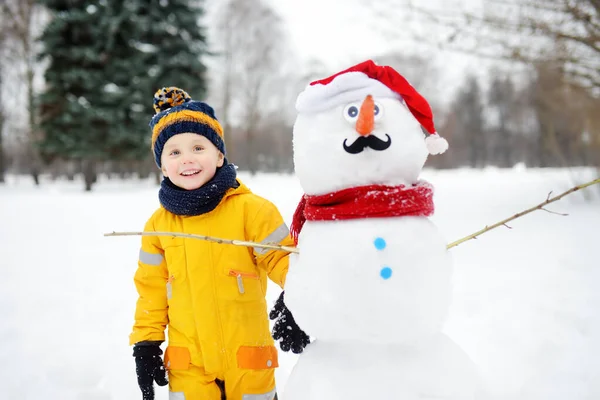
{"x":526,"y":306}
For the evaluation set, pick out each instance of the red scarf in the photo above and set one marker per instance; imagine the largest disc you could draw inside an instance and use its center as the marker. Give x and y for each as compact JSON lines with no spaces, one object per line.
{"x":372,"y":201}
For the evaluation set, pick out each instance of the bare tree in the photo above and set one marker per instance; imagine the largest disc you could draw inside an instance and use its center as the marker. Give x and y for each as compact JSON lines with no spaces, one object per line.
{"x":521,"y":30}
{"x":250,"y":77}
{"x":21,"y":18}
{"x":3,"y":33}
{"x":565,"y":112}
{"x":502,"y":120}
{"x":470,"y":103}
{"x":566,"y":32}
{"x":2,"y":163}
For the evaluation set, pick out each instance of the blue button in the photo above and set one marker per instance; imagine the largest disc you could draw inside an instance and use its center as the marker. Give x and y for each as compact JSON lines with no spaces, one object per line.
{"x":379,"y":243}
{"x":386,"y":272}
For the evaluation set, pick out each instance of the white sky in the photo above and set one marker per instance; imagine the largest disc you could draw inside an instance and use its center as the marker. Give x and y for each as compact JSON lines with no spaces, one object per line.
{"x":331,"y":31}
{"x":340,"y":33}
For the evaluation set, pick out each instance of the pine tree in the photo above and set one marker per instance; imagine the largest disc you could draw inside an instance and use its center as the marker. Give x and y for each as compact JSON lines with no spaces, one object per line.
{"x":174,"y":43}
{"x":107,"y":57}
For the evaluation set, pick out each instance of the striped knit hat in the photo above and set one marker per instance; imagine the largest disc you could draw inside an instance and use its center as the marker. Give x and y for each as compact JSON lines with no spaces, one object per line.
{"x":176,"y":113}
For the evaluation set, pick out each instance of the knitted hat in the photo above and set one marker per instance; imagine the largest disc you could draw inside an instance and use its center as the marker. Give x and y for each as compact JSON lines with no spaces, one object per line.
{"x":176,"y":113}
{"x":379,"y":81}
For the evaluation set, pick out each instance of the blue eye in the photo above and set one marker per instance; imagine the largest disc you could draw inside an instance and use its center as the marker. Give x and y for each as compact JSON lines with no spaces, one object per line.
{"x":351,"y":112}
{"x":378,"y":111}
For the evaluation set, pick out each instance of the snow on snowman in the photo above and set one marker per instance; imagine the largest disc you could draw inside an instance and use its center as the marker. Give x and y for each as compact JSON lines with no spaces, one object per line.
{"x":372,"y":280}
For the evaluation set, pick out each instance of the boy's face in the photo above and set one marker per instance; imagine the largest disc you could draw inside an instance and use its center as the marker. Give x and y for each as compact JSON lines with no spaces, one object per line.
{"x":190,"y":160}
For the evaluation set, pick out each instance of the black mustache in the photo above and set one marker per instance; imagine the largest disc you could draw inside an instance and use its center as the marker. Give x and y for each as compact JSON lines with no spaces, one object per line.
{"x":371,"y":141}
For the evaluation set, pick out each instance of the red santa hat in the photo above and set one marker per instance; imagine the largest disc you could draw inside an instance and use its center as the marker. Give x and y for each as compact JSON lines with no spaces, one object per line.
{"x":379,"y":81}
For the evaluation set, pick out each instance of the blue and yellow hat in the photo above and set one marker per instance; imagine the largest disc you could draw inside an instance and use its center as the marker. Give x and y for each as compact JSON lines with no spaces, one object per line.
{"x":177,"y":113}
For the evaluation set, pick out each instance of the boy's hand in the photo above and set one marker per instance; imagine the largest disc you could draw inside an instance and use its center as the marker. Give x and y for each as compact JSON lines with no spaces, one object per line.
{"x":149,"y":368}
{"x":285,"y":329}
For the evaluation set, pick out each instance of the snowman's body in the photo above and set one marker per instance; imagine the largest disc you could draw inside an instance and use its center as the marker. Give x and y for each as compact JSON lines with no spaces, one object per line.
{"x":339,"y":293}
{"x":437,"y":369}
{"x":372,"y":291}
{"x":375,"y":337}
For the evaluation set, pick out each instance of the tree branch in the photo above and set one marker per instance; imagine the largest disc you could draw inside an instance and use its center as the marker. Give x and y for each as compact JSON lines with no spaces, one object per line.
{"x":520,"y":214}
{"x":497,"y":30}
{"x":234,"y":242}
{"x":290,"y":249}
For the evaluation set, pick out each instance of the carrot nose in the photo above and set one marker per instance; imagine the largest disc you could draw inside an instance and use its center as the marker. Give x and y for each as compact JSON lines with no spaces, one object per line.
{"x":366,"y":117}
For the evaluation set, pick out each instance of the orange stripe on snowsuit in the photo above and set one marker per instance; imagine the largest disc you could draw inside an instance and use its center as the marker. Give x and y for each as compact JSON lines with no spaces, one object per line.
{"x":250,"y":357}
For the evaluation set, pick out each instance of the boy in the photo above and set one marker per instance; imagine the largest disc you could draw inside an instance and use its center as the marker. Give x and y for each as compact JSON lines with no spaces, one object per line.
{"x":210,"y":295}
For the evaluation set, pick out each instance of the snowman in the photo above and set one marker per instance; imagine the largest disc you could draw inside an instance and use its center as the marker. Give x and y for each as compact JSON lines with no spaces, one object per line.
{"x":372,"y":281}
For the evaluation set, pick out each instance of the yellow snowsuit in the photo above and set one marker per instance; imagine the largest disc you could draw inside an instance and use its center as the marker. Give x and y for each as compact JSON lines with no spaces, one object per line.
{"x":212,"y":297}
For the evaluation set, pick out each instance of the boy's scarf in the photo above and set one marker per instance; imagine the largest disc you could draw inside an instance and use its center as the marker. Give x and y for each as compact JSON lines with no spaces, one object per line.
{"x":372,"y":201}
{"x":199,"y":201}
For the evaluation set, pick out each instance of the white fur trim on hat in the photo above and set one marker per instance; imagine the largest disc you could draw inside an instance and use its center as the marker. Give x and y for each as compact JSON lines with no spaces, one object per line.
{"x":343,"y":89}
{"x":436,"y":144}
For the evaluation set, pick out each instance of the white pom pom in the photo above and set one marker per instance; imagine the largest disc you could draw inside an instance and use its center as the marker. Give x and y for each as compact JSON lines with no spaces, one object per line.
{"x":436,"y":144}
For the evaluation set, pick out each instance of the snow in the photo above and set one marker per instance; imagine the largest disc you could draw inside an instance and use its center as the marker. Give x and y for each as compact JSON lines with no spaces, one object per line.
{"x":524,"y":309}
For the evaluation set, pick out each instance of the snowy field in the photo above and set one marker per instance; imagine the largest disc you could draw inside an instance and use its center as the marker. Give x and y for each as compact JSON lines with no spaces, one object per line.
{"x":526,"y":303}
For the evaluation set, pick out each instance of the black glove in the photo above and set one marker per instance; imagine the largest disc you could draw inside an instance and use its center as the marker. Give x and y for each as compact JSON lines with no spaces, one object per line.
{"x":149,"y":368}
{"x":285,"y":329}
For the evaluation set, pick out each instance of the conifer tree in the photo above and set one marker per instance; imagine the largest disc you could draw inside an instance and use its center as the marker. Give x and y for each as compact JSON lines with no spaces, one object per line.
{"x":174,"y":44}
{"x":106,"y":59}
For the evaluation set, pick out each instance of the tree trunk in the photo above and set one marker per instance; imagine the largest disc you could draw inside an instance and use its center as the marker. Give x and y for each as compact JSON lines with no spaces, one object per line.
{"x":143,"y":169}
{"x":70,"y":170}
{"x":473,"y":152}
{"x":251,"y":156}
{"x":88,"y":168}
{"x":34,"y":158}
{"x":226,"y":105}
{"x":2,"y":165}
{"x":542,"y":152}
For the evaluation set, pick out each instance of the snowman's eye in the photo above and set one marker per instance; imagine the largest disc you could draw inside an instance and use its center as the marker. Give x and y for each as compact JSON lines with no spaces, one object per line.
{"x":351,"y":112}
{"x":378,"y":111}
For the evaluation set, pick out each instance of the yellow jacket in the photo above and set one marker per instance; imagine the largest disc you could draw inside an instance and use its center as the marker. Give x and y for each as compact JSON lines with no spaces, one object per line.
{"x":211,"y":295}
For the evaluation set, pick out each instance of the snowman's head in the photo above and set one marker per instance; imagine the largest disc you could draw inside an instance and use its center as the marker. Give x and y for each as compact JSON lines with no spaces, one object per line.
{"x":366,"y":125}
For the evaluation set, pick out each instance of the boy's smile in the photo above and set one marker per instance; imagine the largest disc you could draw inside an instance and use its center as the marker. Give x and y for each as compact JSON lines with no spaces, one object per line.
{"x":190,"y":172}
{"x":190,"y":160}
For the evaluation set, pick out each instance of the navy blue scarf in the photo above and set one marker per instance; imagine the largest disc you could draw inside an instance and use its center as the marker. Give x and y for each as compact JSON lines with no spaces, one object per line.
{"x":199,"y":201}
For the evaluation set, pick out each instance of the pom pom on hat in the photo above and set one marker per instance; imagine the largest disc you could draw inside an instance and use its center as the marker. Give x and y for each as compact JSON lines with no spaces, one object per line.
{"x":436,"y":144}
{"x":369,"y":78}
{"x":168,"y":97}
{"x":177,"y":113}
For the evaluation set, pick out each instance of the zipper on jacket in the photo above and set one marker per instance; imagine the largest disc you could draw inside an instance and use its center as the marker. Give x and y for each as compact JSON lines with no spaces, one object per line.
{"x":239,"y":277}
